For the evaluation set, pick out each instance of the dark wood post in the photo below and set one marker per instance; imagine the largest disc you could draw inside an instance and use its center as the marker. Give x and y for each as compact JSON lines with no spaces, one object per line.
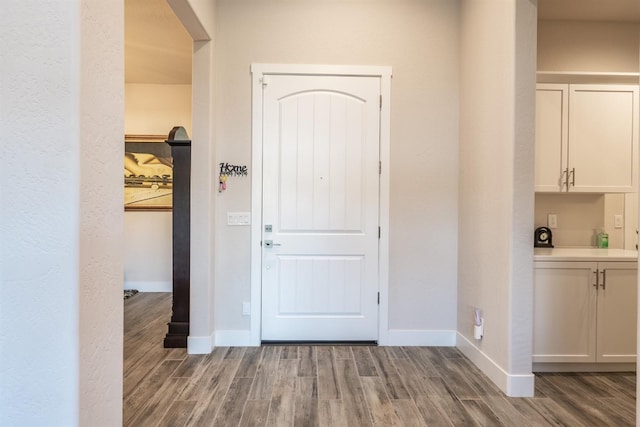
{"x":181,"y":152}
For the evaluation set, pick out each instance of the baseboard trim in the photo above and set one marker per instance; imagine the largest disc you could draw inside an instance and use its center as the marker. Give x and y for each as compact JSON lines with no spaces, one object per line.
{"x":199,"y":345}
{"x":521,"y":385}
{"x":418,"y":337}
{"x":584,"y":367}
{"x":233,"y":338}
{"x":150,"y":286}
{"x":276,"y":343}
{"x":393,"y":337}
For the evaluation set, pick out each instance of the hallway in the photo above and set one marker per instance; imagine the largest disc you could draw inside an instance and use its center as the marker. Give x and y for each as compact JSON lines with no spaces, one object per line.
{"x":341,"y":385}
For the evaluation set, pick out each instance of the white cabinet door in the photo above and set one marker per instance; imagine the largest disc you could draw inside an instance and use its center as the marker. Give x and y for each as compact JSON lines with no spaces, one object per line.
{"x":586,"y":138}
{"x":585,"y":312}
{"x":617,"y":308}
{"x":603,"y":137}
{"x":564,"y":312}
{"x":551,"y":137}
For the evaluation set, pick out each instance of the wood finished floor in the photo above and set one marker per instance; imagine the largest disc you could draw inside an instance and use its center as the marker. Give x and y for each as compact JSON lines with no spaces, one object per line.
{"x":342,"y":385}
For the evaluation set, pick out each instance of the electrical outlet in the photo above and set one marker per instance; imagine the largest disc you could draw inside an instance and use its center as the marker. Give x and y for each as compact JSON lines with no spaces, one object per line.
{"x":618,"y":221}
{"x":552,"y":220}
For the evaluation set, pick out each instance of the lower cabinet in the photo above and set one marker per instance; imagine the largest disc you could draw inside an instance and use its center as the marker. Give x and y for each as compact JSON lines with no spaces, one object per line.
{"x":585,"y":312}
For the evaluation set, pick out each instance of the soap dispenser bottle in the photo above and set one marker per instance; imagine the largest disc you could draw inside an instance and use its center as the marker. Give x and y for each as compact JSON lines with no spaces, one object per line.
{"x":602,"y":240}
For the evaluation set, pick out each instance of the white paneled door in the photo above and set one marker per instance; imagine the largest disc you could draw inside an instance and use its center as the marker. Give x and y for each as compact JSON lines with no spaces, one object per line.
{"x":320,"y":208}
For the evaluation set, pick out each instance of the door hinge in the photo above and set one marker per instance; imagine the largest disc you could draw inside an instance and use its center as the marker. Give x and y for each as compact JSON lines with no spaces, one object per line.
{"x":378,"y":298}
{"x":265,"y":81}
{"x":381,"y":102}
{"x":379,"y":168}
{"x":379,"y":232}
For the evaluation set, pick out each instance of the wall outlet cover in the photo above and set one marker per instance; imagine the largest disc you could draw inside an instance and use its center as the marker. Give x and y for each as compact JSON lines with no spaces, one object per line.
{"x":618,"y":221}
{"x":246,"y":308}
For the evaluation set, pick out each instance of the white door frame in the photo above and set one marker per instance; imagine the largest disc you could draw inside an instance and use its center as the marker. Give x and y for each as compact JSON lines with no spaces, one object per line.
{"x":260,"y":70}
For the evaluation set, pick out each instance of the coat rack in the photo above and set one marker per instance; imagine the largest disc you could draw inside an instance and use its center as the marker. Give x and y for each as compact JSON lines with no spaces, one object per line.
{"x":181,"y":152}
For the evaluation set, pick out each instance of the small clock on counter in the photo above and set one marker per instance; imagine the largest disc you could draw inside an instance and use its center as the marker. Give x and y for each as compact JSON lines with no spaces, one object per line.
{"x":543,"y":238}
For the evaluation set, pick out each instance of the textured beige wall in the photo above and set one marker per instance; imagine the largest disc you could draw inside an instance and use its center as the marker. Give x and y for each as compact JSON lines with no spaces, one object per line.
{"x":588,"y":46}
{"x":61,"y":213}
{"x":154,"y":109}
{"x":495,"y":259}
{"x":419,"y":39}
{"x":100,"y":227}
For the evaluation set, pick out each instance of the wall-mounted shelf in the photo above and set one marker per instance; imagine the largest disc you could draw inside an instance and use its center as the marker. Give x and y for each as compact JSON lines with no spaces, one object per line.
{"x":587,"y":77}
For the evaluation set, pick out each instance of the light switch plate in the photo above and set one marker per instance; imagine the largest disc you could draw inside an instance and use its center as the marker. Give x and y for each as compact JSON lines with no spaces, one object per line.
{"x":552,"y":220}
{"x":238,"y":218}
{"x":618,"y":221}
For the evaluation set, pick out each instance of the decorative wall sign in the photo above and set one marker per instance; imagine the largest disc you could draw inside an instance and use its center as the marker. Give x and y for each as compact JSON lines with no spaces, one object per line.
{"x":227,"y":170}
{"x":233,"y":170}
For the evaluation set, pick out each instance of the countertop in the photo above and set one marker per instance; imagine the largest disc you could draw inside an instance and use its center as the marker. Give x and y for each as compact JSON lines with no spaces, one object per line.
{"x":583,"y":254}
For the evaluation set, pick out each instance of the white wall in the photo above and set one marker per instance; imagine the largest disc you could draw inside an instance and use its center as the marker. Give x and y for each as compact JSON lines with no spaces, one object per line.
{"x":101,"y":218}
{"x":496,"y":188}
{"x":152,"y":109}
{"x":419,"y":39}
{"x":199,"y":17}
{"x":148,"y":260}
{"x":588,"y":46}
{"x":61,"y":213}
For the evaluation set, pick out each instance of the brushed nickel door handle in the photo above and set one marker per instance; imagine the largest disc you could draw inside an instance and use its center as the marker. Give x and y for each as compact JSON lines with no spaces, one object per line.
{"x":573,"y":178}
{"x":564,"y":179}
{"x":270,"y":244}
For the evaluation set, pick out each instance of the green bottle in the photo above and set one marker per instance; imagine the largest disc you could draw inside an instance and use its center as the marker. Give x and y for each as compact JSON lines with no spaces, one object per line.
{"x":603,"y":240}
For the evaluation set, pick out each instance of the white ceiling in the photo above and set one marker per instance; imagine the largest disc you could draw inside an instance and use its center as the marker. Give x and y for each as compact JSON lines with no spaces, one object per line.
{"x":158,"y":49}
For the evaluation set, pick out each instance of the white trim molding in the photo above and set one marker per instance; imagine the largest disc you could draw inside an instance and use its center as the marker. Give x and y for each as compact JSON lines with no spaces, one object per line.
{"x":257,"y":73}
{"x":234,"y":338}
{"x":418,"y":338}
{"x":199,"y":345}
{"x":513,"y":385}
{"x":221,"y":338}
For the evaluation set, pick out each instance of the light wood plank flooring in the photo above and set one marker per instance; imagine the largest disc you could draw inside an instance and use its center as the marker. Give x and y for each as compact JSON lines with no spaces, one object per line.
{"x":341,"y":385}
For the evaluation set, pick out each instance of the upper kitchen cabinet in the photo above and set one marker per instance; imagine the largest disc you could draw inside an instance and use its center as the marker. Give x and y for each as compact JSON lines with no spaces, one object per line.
{"x":552,"y":114}
{"x":586,"y":138}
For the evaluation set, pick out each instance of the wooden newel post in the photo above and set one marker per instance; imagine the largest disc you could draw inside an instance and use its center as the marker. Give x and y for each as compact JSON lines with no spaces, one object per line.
{"x":181,"y":152}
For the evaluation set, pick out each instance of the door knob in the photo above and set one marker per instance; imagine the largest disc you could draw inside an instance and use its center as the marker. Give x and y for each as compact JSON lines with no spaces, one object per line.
{"x":270,"y":244}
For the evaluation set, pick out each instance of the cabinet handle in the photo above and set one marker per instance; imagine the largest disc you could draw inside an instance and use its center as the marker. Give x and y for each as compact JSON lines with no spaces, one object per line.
{"x":595,"y":285}
{"x":565,"y":179}
{"x":604,"y":279}
{"x":573,"y":178}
